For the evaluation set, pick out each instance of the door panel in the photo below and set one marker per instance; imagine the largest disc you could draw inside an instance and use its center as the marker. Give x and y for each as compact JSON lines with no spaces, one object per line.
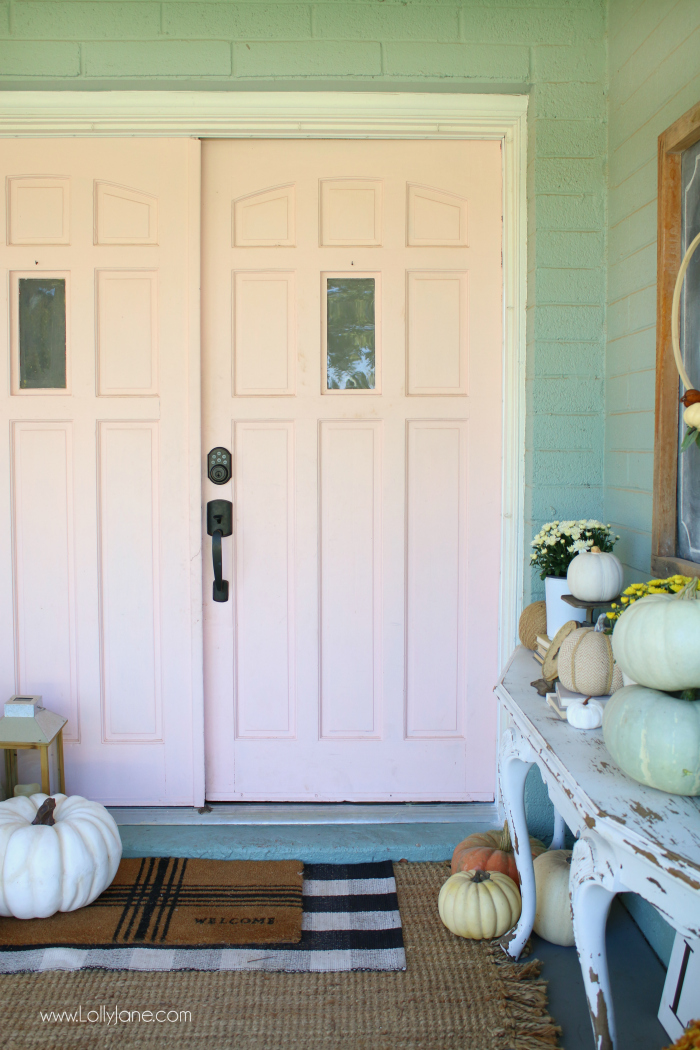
{"x":352,"y":301}
{"x":95,"y":595}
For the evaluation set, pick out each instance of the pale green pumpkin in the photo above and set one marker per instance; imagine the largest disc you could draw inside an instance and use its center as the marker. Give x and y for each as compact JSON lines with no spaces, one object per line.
{"x":655,"y":738}
{"x":656,"y":641}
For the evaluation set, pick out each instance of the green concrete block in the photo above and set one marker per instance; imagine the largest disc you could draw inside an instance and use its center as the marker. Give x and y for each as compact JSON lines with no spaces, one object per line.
{"x":561,"y":396}
{"x":635,"y":271}
{"x":631,"y":351}
{"x":307,"y":59}
{"x":585,"y":62}
{"x":569,"y":212}
{"x":237,"y":21}
{"x":569,"y":248}
{"x":633,"y":548}
{"x":581,"y":287}
{"x":569,"y":322}
{"x":482,"y":62}
{"x":563,"y":502}
{"x":632,"y":313}
{"x":85,"y":21}
{"x":570,"y":138}
{"x":665,"y":47}
{"x":634,"y":392}
{"x":629,"y":470}
{"x":559,"y":467}
{"x":630,"y":431}
{"x":565,"y":175}
{"x":568,"y":101}
{"x":632,"y":233}
{"x":4,"y":19}
{"x":629,"y":191}
{"x":161,"y":58}
{"x":372,"y":22}
{"x":493,"y":26}
{"x":38,"y":58}
{"x":629,"y":507}
{"x":560,"y":358}
{"x":569,"y":433}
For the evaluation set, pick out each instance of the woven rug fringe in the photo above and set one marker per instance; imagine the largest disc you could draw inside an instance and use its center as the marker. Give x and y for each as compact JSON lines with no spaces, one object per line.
{"x":525,"y":1000}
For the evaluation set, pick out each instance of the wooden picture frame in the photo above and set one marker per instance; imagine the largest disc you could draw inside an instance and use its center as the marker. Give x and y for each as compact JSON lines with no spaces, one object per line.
{"x":681,"y":135}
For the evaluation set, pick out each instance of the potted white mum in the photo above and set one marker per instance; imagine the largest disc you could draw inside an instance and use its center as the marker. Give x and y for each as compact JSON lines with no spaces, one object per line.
{"x":553,"y":549}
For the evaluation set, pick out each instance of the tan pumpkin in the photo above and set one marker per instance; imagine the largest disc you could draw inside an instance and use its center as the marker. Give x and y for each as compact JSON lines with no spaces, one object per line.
{"x":586,"y":664}
{"x":491,"y":851}
{"x":479,"y":904}
{"x":533,"y":621}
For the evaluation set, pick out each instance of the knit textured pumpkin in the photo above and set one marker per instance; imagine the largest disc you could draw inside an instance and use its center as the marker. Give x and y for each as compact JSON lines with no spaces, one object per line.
{"x":491,"y":851}
{"x":586,"y":665}
{"x":533,"y":621}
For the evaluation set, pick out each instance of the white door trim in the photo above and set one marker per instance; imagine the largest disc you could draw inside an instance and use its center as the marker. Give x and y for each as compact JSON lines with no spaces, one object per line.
{"x":348,"y":115}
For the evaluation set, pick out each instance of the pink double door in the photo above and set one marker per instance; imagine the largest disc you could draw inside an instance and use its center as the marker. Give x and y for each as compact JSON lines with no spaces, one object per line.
{"x":352,"y":346}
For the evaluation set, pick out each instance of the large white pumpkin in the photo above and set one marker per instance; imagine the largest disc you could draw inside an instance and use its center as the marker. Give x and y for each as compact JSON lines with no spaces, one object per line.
{"x":45,"y":868}
{"x":553,"y":919}
{"x":656,"y":641}
{"x":595,"y":576}
{"x":479,"y":904}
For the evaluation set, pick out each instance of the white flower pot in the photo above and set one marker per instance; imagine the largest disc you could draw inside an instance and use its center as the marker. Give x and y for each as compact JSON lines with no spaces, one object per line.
{"x":558,"y":612}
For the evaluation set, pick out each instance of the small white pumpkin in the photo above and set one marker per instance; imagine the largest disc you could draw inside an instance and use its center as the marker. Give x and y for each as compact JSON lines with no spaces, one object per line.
{"x":479,"y":904}
{"x":656,"y":641}
{"x":595,"y":576}
{"x":60,"y":864}
{"x":553,"y":919}
{"x":691,"y":416}
{"x":585,"y":714}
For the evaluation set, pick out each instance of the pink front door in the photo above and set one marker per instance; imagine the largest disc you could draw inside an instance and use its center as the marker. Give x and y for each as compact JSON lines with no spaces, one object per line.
{"x":352,"y":346}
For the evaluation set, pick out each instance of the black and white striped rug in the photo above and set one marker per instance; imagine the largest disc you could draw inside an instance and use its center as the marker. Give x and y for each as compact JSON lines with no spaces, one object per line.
{"x":350,"y":921}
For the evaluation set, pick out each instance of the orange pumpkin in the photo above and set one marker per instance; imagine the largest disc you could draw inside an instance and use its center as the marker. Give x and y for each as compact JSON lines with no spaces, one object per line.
{"x":491,"y":851}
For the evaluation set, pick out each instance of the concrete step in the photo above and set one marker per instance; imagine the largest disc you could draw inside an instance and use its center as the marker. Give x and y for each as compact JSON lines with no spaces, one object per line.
{"x":377,"y":833}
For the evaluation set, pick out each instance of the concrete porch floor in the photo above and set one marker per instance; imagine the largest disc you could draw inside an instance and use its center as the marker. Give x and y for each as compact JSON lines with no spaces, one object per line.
{"x":355,"y":833}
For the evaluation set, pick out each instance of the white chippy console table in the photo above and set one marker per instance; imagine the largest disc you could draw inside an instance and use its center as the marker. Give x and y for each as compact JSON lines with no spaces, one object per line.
{"x":629,"y":837}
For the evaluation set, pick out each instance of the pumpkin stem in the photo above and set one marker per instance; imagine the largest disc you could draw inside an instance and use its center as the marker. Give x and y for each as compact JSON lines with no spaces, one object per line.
{"x":690,"y":591}
{"x":505,"y":844}
{"x":480,"y":876}
{"x":595,"y":550}
{"x":44,"y":814}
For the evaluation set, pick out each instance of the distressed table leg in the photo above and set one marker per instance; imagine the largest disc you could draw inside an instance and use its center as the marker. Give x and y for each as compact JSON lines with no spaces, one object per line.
{"x":558,"y":839}
{"x":593,"y":887}
{"x":515,"y":761}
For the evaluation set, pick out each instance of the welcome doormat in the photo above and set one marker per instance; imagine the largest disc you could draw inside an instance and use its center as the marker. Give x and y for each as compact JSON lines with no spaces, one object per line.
{"x":348,"y":920}
{"x":171,"y":901}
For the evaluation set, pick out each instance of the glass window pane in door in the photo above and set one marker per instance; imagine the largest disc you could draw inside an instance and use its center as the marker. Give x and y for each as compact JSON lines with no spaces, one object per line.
{"x":42,"y":333}
{"x":350,"y":333}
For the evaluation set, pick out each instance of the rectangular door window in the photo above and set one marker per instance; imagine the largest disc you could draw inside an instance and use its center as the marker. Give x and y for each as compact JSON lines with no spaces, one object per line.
{"x":350,"y":333}
{"x":42,"y":333}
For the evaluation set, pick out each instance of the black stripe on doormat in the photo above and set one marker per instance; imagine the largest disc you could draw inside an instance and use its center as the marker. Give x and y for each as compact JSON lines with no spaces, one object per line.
{"x":357,"y":903}
{"x":383,"y":869}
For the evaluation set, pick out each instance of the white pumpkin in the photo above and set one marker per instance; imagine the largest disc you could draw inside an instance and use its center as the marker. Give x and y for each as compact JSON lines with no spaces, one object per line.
{"x":691,"y":416}
{"x":585,"y":714}
{"x":656,"y":641}
{"x":479,"y":904}
{"x":595,"y":576}
{"x":553,"y":918}
{"x":60,"y":866}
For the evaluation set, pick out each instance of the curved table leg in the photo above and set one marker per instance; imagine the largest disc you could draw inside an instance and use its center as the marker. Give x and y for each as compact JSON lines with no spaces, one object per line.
{"x":515,"y":761}
{"x":592,"y":893}
{"x":558,"y":839}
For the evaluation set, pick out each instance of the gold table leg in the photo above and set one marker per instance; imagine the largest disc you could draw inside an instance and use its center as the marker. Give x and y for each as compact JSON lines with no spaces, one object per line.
{"x":45,"y":781}
{"x":61,"y":773}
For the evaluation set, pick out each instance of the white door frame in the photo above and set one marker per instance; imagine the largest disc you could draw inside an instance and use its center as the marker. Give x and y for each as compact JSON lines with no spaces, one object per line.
{"x":318,"y":115}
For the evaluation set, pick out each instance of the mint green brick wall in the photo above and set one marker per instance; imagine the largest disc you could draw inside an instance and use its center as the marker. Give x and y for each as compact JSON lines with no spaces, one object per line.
{"x":654,"y":78}
{"x":553,"y":49}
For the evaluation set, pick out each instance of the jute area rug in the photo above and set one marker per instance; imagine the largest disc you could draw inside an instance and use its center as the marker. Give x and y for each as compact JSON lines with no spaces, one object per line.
{"x":454,"y":995}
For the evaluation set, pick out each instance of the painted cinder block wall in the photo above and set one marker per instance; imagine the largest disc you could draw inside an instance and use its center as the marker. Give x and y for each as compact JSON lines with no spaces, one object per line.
{"x":654,"y":63}
{"x":654,"y":77}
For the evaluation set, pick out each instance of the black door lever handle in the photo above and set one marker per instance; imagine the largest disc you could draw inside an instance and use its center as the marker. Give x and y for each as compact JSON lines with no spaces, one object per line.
{"x":219,"y":524}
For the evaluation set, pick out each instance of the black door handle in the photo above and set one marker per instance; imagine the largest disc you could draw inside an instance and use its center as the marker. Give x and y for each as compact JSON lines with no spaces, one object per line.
{"x":219,"y":523}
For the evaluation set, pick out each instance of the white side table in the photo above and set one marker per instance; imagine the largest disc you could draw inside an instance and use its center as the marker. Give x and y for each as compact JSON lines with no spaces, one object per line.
{"x":630,"y":837}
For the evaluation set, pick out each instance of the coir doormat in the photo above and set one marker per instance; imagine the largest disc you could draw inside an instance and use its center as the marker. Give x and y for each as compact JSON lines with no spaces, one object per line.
{"x":172,"y":901}
{"x":339,"y":918}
